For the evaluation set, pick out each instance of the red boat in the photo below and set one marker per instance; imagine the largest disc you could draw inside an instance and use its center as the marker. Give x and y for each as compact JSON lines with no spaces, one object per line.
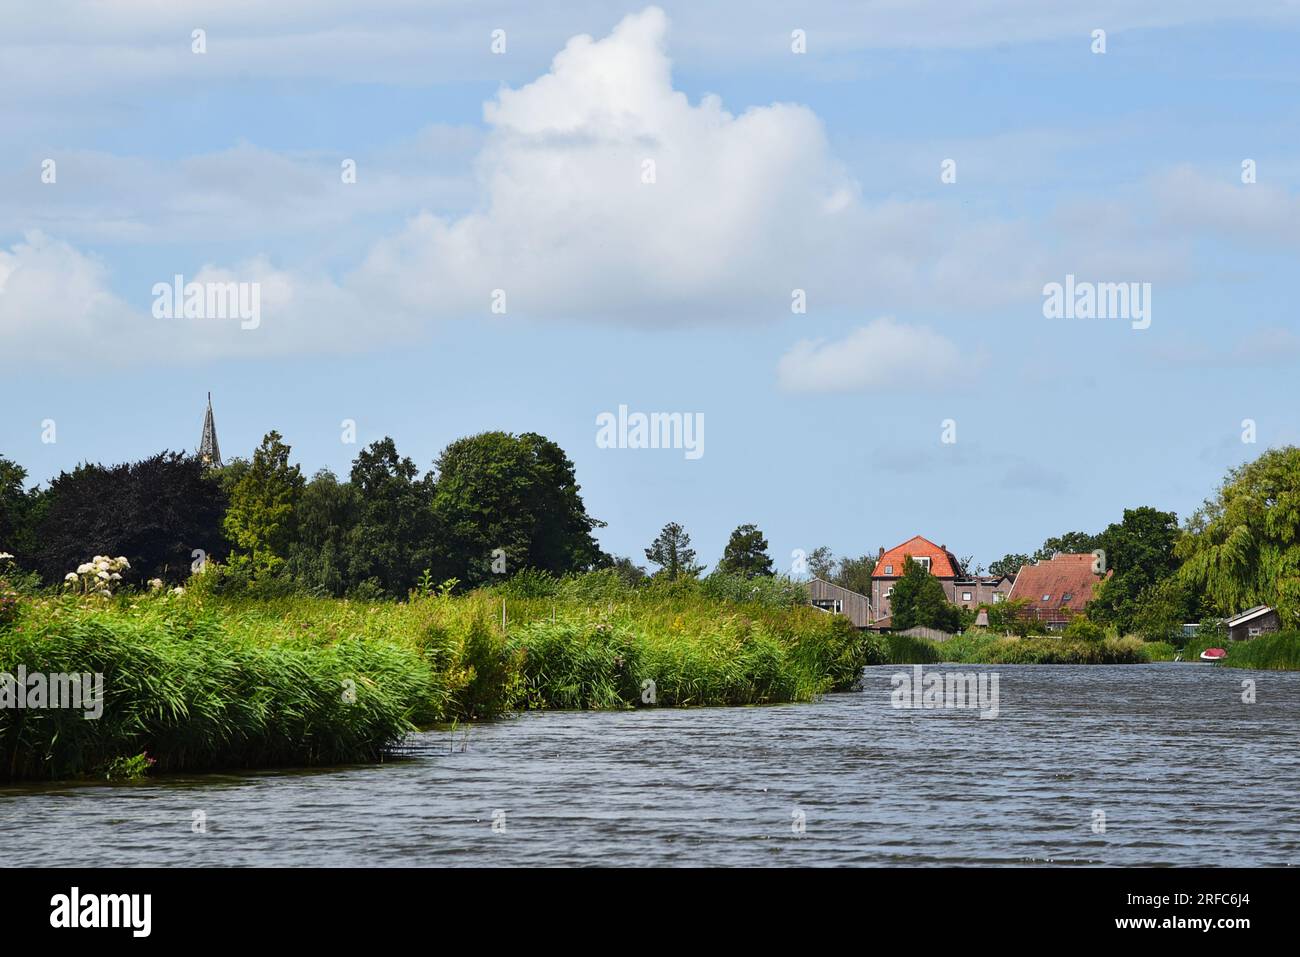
{"x":1213,"y":654}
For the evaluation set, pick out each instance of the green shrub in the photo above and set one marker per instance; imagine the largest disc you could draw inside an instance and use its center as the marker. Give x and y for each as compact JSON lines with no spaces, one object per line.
{"x":1080,"y":628}
{"x":530,"y":583}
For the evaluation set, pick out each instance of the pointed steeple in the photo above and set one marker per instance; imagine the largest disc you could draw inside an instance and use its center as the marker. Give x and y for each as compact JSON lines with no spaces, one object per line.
{"x":209,"y":450}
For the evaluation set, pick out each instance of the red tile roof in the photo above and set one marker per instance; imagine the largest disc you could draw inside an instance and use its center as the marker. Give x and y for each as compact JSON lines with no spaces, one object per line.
{"x":943,"y":564}
{"x":1057,"y":577}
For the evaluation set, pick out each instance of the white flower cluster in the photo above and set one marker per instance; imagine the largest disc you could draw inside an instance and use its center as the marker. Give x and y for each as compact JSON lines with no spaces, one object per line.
{"x":99,"y":575}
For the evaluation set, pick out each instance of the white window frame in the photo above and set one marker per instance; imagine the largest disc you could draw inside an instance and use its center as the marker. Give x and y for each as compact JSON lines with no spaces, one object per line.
{"x":965,"y":596}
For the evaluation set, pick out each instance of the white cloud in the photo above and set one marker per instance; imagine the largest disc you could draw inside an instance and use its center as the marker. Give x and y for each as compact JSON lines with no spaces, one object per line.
{"x":1259,"y":213}
{"x":744,"y":208}
{"x":56,"y":303}
{"x":884,"y":354}
{"x":103,"y":48}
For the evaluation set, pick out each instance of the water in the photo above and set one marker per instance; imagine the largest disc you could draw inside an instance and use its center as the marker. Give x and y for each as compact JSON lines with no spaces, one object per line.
{"x":1184,"y":771}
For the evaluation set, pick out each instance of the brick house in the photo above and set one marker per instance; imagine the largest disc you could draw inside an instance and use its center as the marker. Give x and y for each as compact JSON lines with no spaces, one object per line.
{"x":963,"y":590}
{"x":1057,"y":589}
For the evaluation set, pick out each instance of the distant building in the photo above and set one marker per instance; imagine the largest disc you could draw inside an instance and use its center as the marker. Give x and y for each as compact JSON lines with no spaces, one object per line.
{"x":840,"y":601}
{"x":1057,"y":589}
{"x":962,"y":589}
{"x":1253,"y":622}
{"x":209,"y":450}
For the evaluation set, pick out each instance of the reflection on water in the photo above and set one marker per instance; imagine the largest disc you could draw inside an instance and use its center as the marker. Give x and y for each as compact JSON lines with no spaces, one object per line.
{"x":1184,"y":771}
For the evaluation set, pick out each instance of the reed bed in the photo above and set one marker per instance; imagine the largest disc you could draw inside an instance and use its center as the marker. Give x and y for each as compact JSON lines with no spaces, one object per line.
{"x":204,"y":682}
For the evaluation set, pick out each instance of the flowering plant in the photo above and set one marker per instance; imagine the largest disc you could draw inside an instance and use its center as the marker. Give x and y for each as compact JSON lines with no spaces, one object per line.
{"x":99,"y":576}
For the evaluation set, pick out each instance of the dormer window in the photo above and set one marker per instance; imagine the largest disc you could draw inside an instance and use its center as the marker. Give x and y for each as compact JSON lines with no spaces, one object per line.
{"x":923,"y":561}
{"x":889,"y":569}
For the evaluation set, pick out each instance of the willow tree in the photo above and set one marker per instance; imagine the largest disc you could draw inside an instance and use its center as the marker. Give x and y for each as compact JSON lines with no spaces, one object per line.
{"x":1242,"y":548}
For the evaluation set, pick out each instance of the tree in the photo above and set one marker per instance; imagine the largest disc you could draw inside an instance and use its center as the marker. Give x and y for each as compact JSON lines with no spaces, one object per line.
{"x":672,"y":552}
{"x":19,"y":512}
{"x":746,"y":554}
{"x":919,"y":599}
{"x":260,"y":520}
{"x":855,"y":574}
{"x":394,"y":538}
{"x":1071,"y":543}
{"x":821,"y":562}
{"x":1162,"y":609}
{"x":321,"y":555}
{"x":1009,"y":565}
{"x":628,"y":571}
{"x":511,"y":502}
{"x":155,"y":513}
{"x":1139,"y":552}
{"x":1242,"y":548}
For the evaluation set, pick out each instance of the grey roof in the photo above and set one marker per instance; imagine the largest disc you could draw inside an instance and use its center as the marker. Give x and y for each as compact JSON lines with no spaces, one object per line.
{"x":1248,"y":614}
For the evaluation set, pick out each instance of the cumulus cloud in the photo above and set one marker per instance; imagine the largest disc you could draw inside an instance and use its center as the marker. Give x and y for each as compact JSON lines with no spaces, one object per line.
{"x":56,"y":303}
{"x":601,"y":193}
{"x":607,"y":191}
{"x":884,"y":354}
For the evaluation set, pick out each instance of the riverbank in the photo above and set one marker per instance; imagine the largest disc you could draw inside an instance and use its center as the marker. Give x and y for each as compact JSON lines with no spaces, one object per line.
{"x":978,"y":647}
{"x":1277,"y":652}
{"x":201,"y":682}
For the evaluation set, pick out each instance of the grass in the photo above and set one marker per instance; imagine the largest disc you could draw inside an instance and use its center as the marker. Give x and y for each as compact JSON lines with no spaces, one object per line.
{"x":1279,"y":651}
{"x":204,"y":682}
{"x":982,"y":647}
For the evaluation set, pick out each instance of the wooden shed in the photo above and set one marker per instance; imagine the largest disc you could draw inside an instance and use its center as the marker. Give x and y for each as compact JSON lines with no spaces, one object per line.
{"x":840,"y":601}
{"x":1252,"y":623}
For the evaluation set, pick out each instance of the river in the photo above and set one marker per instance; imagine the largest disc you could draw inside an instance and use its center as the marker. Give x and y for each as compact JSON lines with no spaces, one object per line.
{"x":1098,"y":765}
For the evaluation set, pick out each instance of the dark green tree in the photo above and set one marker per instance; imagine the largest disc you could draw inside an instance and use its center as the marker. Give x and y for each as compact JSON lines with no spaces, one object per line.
{"x":672,"y":552}
{"x":504,"y":502}
{"x":746,"y":554}
{"x":1139,"y":552}
{"x":919,"y":599}
{"x":393,"y":539}
{"x":1071,"y":543}
{"x":855,"y":574}
{"x":320,"y":557}
{"x":20,"y":510}
{"x":1009,"y":565}
{"x":155,"y":512}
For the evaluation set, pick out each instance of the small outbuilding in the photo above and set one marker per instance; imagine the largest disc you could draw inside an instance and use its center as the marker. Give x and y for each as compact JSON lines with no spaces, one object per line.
{"x":1253,"y":622}
{"x":840,"y":601}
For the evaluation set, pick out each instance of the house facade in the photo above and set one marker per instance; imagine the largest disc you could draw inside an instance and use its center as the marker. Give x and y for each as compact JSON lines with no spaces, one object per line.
{"x":1057,"y":589}
{"x":962,"y":589}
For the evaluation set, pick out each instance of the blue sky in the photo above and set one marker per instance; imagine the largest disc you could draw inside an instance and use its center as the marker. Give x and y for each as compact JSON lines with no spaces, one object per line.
{"x":774,"y":171}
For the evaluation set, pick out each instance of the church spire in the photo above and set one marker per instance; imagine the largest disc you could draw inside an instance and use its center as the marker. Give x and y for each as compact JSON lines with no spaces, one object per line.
{"x":209,"y":450}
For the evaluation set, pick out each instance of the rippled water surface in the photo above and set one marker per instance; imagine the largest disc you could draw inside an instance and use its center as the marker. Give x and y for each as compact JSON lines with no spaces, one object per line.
{"x":1184,"y":771}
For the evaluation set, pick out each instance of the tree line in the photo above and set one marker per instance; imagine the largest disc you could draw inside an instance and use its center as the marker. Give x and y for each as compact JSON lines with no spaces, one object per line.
{"x":492,"y":504}
{"x":497,"y":503}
